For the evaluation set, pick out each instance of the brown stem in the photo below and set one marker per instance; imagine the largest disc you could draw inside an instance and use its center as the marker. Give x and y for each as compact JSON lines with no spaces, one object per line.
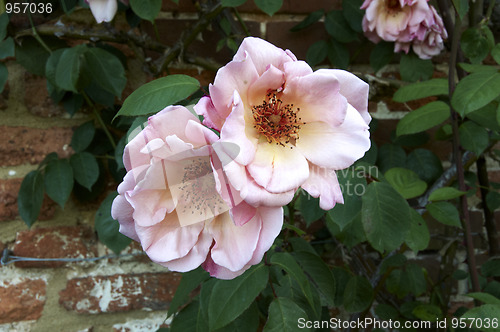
{"x":489,"y":218}
{"x":457,"y":157}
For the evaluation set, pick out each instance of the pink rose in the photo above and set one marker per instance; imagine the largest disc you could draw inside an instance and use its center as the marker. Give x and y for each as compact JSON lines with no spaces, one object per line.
{"x":393,"y":20}
{"x":407,"y":23}
{"x":175,"y":201}
{"x":294,"y":127}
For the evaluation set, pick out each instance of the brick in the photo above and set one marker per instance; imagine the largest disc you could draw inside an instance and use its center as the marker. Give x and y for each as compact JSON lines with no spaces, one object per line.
{"x":37,"y":98}
{"x":22,"y":145}
{"x":153,"y":322}
{"x":279,"y":34}
{"x":205,"y":46}
{"x":8,"y":201}
{"x":120,"y":292}
{"x":55,"y":242}
{"x":289,"y":6}
{"x":22,"y":300}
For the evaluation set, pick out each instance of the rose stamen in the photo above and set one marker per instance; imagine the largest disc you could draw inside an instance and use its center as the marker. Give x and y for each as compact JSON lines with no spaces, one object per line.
{"x":278,"y":123}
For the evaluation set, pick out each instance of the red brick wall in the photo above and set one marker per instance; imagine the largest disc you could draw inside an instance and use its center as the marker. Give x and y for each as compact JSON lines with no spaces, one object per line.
{"x":123,"y":294}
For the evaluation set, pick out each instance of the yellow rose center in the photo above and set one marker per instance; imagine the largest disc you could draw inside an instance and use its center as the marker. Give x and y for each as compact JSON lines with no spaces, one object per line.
{"x":277,"y":122}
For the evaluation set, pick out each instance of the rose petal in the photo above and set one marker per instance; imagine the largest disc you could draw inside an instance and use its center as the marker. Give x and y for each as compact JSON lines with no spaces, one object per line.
{"x":103,"y":10}
{"x":272,"y":222}
{"x":323,"y":183}
{"x":234,"y":245}
{"x":335,"y":148}
{"x":317,"y":95}
{"x":272,"y":167}
{"x":194,"y":258}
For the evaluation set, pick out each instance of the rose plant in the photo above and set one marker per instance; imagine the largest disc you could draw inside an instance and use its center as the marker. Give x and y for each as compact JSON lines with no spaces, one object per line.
{"x":275,"y":176}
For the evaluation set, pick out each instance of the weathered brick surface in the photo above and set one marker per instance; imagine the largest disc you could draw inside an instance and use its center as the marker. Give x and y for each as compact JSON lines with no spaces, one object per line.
{"x":22,"y":300}
{"x":279,"y":34}
{"x":121,"y":292}
{"x":55,"y":242}
{"x":21,"y":145}
{"x":8,"y":201}
{"x":289,"y":6}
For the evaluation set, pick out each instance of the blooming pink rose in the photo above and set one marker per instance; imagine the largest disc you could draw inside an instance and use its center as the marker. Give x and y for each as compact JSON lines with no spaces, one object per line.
{"x":407,"y":23}
{"x":394,"y":20}
{"x":175,"y":201}
{"x":432,"y":43}
{"x":104,"y":10}
{"x":294,"y":127}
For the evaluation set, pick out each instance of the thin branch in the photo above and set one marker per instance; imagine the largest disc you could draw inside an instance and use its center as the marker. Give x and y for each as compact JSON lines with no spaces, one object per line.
{"x":99,"y":119}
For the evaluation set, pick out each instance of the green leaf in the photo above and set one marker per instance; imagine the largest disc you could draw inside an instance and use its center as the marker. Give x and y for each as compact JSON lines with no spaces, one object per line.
{"x":107,"y":228}
{"x":4,"y":21}
{"x":190,"y":280}
{"x":413,"y":69}
{"x":4,"y":75}
{"x":486,"y":116}
{"x":432,"y":87}
{"x":309,"y":208}
{"x":462,"y":7}
{"x":83,"y":136}
{"x":73,"y":103}
{"x":389,"y":156}
{"x":269,"y":6}
{"x":32,"y":56}
{"x":338,"y":54}
{"x":284,"y":316}
{"x":353,"y":185}
{"x":418,"y":237}
{"x":68,"y":68}
{"x":51,"y":65}
{"x":7,"y":48}
{"x":423,"y":118}
{"x":286,"y":261}
{"x":231,"y":297}
{"x":416,"y":279}
{"x":106,"y":69}
{"x":470,"y":68}
{"x":393,"y":261}
{"x":186,"y":319}
{"x":317,"y":52}
{"x":58,"y":181}
{"x":446,"y":193}
{"x":425,"y":163}
{"x":406,"y":182}
{"x":427,"y":312}
{"x":491,"y":268}
{"x":353,"y":13}
{"x":320,"y":274}
{"x":358,"y":294}
{"x":475,"y":91}
{"x":495,"y":53}
{"x":248,"y":321}
{"x":30,"y":197}
{"x":146,"y":9}
{"x":386,"y":312}
{"x":351,"y":234}
{"x":232,"y":3}
{"x":493,"y":200}
{"x":475,"y":44}
{"x":487,"y":312}
{"x":473,"y":137}
{"x":444,"y":212}
{"x":381,"y":55}
{"x":485,"y":298}
{"x":337,"y":27}
{"x":85,"y":169}
{"x":310,"y":19}
{"x":154,"y":96}
{"x":385,"y":216}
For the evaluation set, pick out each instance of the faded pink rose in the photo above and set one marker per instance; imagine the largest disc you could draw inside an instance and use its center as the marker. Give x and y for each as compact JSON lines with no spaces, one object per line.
{"x":104,"y":10}
{"x":407,"y":23}
{"x":175,"y":201}
{"x":294,"y":127}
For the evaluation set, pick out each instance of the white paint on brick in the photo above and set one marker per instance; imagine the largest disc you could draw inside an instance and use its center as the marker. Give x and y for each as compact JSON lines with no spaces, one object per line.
{"x":152,"y":323}
{"x":12,"y":172}
{"x":12,"y":276}
{"x":25,"y":326}
{"x":84,"y":305}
